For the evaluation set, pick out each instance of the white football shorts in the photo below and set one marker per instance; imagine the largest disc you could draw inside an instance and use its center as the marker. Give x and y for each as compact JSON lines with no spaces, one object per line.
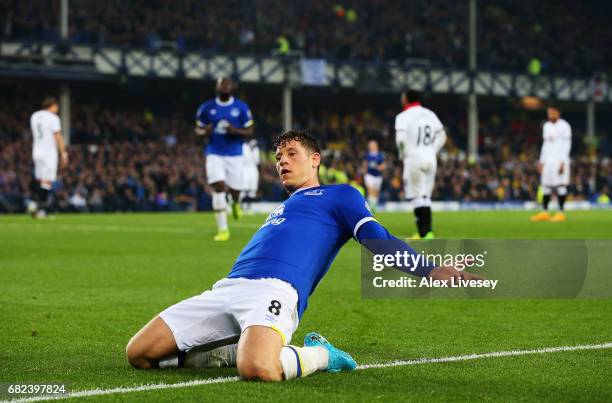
{"x":372,"y":181}
{"x":45,"y":167}
{"x":218,"y":316}
{"x":220,"y":168}
{"x":550,"y":174}
{"x":250,"y":181}
{"x":419,"y":177}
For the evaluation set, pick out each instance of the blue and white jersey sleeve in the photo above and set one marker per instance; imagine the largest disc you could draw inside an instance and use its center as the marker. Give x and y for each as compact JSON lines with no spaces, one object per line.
{"x":202,"y":115}
{"x":246,"y":117}
{"x":352,"y":210}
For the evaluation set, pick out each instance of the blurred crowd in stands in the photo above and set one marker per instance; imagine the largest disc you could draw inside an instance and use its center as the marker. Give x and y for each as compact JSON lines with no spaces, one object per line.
{"x":135,"y":160}
{"x":565,"y":36}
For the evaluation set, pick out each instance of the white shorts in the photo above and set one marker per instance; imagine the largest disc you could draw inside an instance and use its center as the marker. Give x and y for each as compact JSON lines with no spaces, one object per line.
{"x":550,"y":174}
{"x":45,"y":168}
{"x":372,"y":181}
{"x":219,"y":316}
{"x":221,"y":168}
{"x":250,"y":181}
{"x":419,"y":178}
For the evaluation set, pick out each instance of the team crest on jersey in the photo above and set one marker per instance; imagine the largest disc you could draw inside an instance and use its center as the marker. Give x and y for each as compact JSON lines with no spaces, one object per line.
{"x":213,"y":111}
{"x":316,"y":192}
{"x":235,"y":112}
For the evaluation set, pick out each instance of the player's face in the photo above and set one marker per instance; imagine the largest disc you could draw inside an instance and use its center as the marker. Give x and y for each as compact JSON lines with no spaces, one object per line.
{"x":372,"y":146}
{"x":297,"y":166}
{"x":553,"y":114}
{"x":224,"y":86}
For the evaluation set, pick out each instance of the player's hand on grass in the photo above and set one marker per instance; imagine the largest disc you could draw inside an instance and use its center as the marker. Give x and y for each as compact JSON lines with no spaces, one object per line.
{"x":448,"y":272}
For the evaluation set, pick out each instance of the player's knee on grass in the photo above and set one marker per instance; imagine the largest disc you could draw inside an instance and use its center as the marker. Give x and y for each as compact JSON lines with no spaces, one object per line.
{"x":136,"y":357}
{"x":264,"y":371}
{"x":152,"y":343}
{"x":258,"y":355}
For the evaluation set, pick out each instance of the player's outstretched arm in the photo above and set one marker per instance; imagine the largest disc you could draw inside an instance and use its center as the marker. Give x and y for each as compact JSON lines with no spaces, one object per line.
{"x":378,"y":240}
{"x":354,"y":215}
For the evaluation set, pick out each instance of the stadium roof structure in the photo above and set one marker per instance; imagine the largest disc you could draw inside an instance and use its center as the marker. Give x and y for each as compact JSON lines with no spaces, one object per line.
{"x":66,"y":62}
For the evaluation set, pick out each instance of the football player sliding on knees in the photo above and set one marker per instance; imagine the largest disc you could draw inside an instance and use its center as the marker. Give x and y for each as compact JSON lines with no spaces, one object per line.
{"x":248,"y":318}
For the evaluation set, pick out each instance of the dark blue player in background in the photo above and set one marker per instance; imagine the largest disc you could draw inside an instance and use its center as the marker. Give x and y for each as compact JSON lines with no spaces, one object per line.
{"x":375,"y":165}
{"x":226,"y":121}
{"x":256,"y":309}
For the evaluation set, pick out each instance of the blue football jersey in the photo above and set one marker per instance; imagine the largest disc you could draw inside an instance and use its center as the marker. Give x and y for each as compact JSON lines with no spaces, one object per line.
{"x":300,"y":238}
{"x":234,"y":112}
{"x":374,"y":160}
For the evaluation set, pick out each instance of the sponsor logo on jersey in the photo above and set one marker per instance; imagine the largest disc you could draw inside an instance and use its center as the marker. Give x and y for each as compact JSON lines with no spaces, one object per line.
{"x":277,"y":211}
{"x":213,"y":111}
{"x":275,"y":217}
{"x":222,"y":126}
{"x":316,"y":192}
{"x":271,"y":318}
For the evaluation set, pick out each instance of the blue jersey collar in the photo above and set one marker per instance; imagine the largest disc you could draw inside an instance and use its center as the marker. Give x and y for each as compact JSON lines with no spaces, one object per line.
{"x":304,"y":188}
{"x":226,"y":103}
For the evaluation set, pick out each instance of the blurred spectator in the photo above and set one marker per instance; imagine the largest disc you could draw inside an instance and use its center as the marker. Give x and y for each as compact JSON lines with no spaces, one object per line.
{"x":122,"y":161}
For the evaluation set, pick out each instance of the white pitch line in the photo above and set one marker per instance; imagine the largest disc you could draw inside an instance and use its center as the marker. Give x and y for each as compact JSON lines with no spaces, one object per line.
{"x":400,"y":363}
{"x":487,"y":355}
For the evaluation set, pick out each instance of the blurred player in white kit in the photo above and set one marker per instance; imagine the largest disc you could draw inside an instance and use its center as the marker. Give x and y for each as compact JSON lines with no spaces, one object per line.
{"x":554,"y":163}
{"x":419,"y":136}
{"x":251,"y":159}
{"x":47,"y":141}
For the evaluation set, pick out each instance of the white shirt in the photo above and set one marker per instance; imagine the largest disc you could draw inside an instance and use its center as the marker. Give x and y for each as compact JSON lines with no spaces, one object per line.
{"x":44,"y":125}
{"x":557,"y":141}
{"x":419,"y":134}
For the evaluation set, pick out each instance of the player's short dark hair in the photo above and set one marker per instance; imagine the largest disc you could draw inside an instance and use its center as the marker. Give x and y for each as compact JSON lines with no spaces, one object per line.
{"x":412,"y":95}
{"x":48,"y":101}
{"x":553,"y":106}
{"x":306,"y":140}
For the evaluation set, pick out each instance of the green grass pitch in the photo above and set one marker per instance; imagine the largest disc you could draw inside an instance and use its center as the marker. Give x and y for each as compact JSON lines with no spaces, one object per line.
{"x":74,"y":290}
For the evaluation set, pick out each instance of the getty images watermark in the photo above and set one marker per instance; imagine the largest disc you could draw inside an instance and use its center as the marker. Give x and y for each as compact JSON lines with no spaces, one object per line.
{"x":509,"y":268}
{"x":409,"y":262}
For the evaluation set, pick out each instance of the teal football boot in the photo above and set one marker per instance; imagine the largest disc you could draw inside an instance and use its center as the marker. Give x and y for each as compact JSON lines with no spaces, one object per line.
{"x":338,"y":360}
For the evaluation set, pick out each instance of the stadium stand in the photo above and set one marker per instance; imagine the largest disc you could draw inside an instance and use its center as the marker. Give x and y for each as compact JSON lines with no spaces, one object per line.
{"x":132,"y":159}
{"x":511,"y":33}
{"x":138,"y":153}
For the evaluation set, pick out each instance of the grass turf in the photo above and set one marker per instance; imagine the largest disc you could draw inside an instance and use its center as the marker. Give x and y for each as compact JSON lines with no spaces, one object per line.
{"x":74,"y":290}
